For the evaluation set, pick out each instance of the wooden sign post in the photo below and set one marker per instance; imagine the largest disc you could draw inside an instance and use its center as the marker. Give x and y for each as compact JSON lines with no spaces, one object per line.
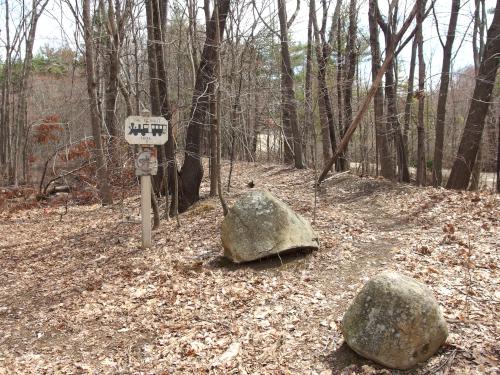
{"x":146,"y":131}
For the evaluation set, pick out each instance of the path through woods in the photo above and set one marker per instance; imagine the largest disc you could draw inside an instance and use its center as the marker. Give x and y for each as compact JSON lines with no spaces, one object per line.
{"x":78,"y":296}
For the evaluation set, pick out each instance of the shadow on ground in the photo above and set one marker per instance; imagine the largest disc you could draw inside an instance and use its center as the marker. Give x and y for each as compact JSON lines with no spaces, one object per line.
{"x":294,"y":257}
{"x":345,"y":359}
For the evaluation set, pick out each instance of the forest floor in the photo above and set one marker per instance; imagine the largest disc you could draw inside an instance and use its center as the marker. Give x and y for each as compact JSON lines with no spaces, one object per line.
{"x":78,"y":295}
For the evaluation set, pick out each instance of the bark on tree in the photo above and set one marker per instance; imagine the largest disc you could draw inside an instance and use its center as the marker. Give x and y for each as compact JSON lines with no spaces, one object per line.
{"x":421,"y":161}
{"x":117,"y":18}
{"x":474,"y":125}
{"x":95,"y":116}
{"x":323,"y":46}
{"x":390,"y":91}
{"x":437,"y":163}
{"x":289,"y":104}
{"x":409,"y":96}
{"x":498,"y":155}
{"x":192,"y":169}
{"x":386,"y":161}
{"x":349,"y":79}
{"x":309,"y":111}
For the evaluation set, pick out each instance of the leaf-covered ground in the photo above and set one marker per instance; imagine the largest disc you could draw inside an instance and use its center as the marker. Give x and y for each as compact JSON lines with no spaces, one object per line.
{"x":78,"y":295}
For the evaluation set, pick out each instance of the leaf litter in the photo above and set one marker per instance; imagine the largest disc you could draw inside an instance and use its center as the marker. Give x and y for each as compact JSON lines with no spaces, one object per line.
{"x":78,"y":295}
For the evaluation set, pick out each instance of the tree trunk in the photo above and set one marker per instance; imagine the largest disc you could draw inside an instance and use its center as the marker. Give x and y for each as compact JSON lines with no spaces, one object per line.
{"x":102,"y":173}
{"x":386,"y":161}
{"x":437,"y":163}
{"x":289,"y":104}
{"x":471,"y":137}
{"x":498,"y":155}
{"x":391,"y":93}
{"x":309,"y":111}
{"x":349,"y":78}
{"x":192,"y":169}
{"x":409,"y":97}
{"x":323,"y":49}
{"x":340,"y":85}
{"x":421,"y":164}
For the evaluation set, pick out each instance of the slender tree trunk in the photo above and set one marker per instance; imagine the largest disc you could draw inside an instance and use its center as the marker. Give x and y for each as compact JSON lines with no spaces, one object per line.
{"x":391,"y":93}
{"x":212,"y":114}
{"x":5,"y":125}
{"x":340,"y":84}
{"x":437,"y":163}
{"x":351,"y":70}
{"x":381,"y":139}
{"x":409,"y":97}
{"x":421,"y":164}
{"x":474,"y":125}
{"x":498,"y":155}
{"x":309,"y":113}
{"x":289,"y":104}
{"x":323,"y":49}
{"x":102,"y":173}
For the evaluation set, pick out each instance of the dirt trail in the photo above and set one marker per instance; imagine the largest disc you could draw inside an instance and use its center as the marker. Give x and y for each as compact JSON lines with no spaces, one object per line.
{"x":79,"y":296}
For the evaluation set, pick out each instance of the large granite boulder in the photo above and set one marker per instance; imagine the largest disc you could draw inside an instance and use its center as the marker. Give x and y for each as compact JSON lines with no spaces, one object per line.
{"x":259,"y":225}
{"x":395,"y":321}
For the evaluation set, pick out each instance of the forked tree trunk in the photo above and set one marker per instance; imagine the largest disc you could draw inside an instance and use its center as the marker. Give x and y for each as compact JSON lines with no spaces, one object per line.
{"x":437,"y":163}
{"x":391,"y":94}
{"x":474,"y":125}
{"x":192,"y":170}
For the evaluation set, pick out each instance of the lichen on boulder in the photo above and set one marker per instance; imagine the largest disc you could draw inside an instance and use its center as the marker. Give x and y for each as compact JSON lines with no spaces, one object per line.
{"x":259,"y":225}
{"x":395,"y":321}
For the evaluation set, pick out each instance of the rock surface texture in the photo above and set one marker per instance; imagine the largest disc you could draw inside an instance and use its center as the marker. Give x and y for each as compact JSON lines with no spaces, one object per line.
{"x":395,"y":321}
{"x":259,"y":225}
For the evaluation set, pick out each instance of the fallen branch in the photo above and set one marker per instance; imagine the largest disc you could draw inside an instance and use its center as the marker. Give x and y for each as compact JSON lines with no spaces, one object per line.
{"x":44,"y":192}
{"x":371,"y":93}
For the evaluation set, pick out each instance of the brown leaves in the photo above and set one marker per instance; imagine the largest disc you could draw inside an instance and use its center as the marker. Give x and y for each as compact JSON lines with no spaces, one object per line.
{"x":100,"y":304}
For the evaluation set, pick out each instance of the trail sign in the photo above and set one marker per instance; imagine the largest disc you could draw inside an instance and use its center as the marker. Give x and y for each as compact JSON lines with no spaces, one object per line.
{"x":146,"y":130}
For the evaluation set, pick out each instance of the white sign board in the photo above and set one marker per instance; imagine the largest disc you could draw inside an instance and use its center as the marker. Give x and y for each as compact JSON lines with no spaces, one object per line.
{"x":145,"y":130}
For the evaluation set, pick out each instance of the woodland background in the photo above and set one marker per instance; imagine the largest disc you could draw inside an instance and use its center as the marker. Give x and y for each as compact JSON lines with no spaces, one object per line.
{"x":253,"y":93}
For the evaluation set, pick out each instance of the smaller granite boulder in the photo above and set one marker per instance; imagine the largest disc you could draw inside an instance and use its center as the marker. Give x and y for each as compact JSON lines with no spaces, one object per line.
{"x":395,"y":321}
{"x":259,"y":225}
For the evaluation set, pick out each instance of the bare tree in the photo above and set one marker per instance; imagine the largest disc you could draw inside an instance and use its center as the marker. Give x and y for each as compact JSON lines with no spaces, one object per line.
{"x":389,"y":29}
{"x":324,"y":47}
{"x":95,"y":115}
{"x":192,"y":169}
{"x":293,"y":141}
{"x":437,"y":163}
{"x":370,"y":94}
{"x":478,"y":109}
{"x":351,"y":61}
{"x":421,"y":163}
{"x":386,"y":162}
